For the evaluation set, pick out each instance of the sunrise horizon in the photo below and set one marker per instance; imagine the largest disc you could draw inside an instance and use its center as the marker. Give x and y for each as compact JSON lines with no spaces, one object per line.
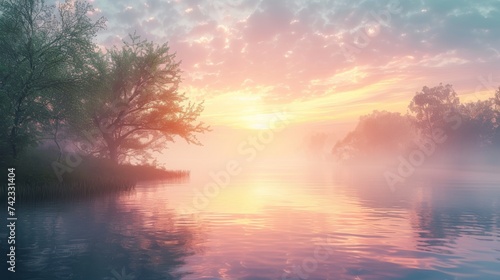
{"x":250,"y":139}
{"x":251,"y":58}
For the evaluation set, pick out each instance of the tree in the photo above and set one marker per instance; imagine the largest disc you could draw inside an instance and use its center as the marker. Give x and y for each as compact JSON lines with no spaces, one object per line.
{"x":496,"y":105}
{"x":478,"y":124}
{"x":496,"y":108}
{"x":431,"y":106}
{"x":496,"y":100}
{"x":381,"y":133}
{"x":43,"y":57}
{"x":136,"y":105}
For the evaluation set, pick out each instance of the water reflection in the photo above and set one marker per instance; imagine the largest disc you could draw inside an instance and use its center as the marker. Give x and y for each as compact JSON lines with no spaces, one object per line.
{"x":454,"y":222}
{"x":111,"y":237}
{"x":305,"y":224}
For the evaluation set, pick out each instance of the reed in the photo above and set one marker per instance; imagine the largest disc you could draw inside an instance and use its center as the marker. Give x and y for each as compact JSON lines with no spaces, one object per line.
{"x":36,"y":180}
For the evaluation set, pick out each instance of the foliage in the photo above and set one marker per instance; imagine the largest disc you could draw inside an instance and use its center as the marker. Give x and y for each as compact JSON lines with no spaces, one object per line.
{"x":136,"y":105}
{"x":478,"y":124}
{"x":431,"y":105}
{"x":472,"y":127}
{"x":55,"y":86}
{"x":43,"y":53}
{"x":496,"y":104}
{"x":379,"y":133}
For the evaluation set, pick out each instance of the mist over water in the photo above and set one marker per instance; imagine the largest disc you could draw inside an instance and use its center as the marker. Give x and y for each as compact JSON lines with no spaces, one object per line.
{"x":312,"y":222}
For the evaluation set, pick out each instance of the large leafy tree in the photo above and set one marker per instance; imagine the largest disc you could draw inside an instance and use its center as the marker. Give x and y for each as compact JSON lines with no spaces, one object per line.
{"x":136,"y":106}
{"x":43,"y":59}
{"x":431,"y":106}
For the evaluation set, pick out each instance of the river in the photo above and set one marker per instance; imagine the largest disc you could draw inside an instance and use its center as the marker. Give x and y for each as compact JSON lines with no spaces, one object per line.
{"x":307,"y":223}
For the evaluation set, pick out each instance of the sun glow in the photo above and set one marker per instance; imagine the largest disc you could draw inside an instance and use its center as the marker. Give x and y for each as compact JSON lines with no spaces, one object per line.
{"x":259,"y":121}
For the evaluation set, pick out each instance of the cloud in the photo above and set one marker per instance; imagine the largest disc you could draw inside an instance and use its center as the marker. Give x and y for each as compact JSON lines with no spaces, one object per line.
{"x":293,"y":47}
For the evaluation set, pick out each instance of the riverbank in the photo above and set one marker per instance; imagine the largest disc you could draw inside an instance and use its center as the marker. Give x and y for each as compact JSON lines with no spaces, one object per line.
{"x":36,"y":178}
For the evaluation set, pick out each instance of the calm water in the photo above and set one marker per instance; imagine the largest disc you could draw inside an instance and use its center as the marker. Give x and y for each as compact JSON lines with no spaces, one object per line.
{"x":307,"y":224}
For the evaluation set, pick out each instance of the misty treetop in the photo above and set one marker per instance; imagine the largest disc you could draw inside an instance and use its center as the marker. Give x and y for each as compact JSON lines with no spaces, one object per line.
{"x":471,"y":128}
{"x":430,"y":106}
{"x":56,"y":86}
{"x":376,"y":135}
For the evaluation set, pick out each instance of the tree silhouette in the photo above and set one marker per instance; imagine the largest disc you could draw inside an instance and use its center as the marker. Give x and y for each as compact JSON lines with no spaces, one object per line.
{"x":136,"y":102}
{"x":379,"y":133}
{"x":43,"y":54}
{"x":472,"y":127}
{"x":478,"y":124}
{"x":431,"y":105}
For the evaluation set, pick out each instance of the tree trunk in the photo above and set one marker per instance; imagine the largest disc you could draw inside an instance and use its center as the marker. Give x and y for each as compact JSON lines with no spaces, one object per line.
{"x":111,"y":145}
{"x":59,"y":148}
{"x":113,"y":152}
{"x":12,"y":140}
{"x":17,"y":122}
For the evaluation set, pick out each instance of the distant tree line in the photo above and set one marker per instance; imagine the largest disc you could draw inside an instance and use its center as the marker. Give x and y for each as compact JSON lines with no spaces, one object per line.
{"x":433,"y":113}
{"x":57,"y":86}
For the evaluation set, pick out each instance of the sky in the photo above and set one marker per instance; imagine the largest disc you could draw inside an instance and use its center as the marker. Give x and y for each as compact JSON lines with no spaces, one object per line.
{"x":323,"y":62}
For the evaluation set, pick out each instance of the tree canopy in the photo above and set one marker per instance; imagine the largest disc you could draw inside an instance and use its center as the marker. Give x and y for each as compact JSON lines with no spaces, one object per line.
{"x":431,"y":105}
{"x":376,"y":134}
{"x":43,"y":55}
{"x":437,"y":110}
{"x":55,"y":85}
{"x":136,"y":105}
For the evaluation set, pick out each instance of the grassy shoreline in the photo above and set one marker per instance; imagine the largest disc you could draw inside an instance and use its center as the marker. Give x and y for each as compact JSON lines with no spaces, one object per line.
{"x":36,"y":178}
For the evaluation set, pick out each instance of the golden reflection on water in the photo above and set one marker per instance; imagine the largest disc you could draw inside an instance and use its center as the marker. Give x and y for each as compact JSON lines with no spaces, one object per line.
{"x":303,"y":224}
{"x":268,"y":224}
